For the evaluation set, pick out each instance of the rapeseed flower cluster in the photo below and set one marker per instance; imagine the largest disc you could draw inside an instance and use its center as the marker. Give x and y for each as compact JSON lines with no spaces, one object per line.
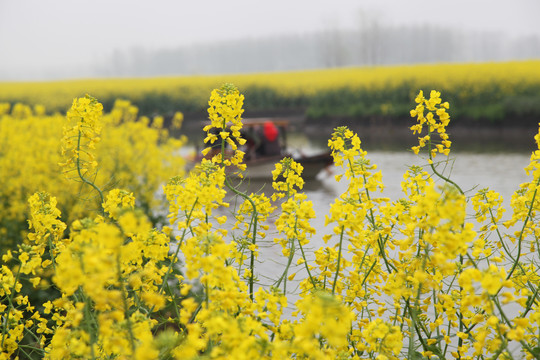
{"x":129,"y":155}
{"x":415,"y":277}
{"x":81,"y":134}
{"x":293,"y":221}
{"x":435,"y":125}
{"x":225,"y":114}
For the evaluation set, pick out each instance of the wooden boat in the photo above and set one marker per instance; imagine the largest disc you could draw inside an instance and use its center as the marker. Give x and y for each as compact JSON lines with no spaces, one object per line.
{"x":260,"y":167}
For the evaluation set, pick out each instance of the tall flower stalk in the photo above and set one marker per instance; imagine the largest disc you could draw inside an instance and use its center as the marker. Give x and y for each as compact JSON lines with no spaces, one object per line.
{"x":81,"y":134}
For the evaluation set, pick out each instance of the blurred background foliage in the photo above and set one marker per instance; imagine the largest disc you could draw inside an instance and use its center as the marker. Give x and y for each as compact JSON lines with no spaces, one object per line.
{"x":134,"y":154}
{"x":486,"y":93}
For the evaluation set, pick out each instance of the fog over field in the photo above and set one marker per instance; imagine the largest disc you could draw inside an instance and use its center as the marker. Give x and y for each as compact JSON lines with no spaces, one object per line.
{"x":376,"y":45}
{"x":61,"y":39}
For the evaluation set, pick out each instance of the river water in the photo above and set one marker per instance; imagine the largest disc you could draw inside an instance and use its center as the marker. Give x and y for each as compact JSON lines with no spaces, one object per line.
{"x":502,"y":172}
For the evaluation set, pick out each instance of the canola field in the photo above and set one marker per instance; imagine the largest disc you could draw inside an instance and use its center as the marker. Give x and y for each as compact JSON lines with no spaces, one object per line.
{"x":110,"y":250}
{"x":492,"y":92}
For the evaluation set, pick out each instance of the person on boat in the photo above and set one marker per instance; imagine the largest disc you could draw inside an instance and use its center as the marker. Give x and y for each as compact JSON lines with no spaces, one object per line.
{"x":253,"y":141}
{"x":269,"y":144}
{"x":215,"y":148}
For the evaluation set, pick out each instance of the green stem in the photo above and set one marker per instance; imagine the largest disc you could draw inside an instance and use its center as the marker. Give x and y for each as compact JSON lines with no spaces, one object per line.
{"x":441,"y":176}
{"x":126,"y":306}
{"x":306,"y":265}
{"x":175,"y":257}
{"x":91,"y":331}
{"x":338,"y":260}
{"x":368,"y":272}
{"x":509,"y":323}
{"x":283,"y":277}
{"x":417,"y":330}
{"x":499,"y":235}
{"x":51,"y":251}
{"x":520,"y":239}
{"x":10,"y":303}
{"x":83,"y":179}
{"x":444,"y":177}
{"x":254,"y":219}
{"x":90,"y":322}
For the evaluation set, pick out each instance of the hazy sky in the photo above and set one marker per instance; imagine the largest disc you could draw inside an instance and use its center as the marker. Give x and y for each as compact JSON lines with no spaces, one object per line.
{"x":36,"y":35}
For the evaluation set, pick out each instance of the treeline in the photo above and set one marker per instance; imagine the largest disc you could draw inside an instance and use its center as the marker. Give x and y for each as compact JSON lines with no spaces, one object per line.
{"x":372,"y":44}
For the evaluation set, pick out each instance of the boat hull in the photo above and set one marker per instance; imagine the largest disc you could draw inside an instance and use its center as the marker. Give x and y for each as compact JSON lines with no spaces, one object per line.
{"x":261,"y":169}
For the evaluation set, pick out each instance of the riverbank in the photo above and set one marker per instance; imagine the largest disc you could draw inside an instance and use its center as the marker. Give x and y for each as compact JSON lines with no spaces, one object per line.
{"x":472,"y":136}
{"x":393,"y":134}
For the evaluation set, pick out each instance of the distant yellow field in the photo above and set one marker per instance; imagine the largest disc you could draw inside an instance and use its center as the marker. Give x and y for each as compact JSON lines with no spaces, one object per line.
{"x":463,"y":80}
